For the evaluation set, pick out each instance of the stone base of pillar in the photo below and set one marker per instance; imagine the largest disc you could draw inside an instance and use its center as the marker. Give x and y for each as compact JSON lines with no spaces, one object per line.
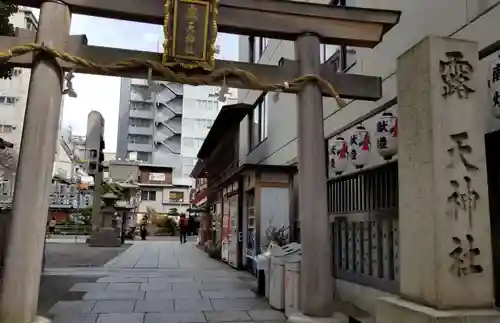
{"x":41,"y":319}
{"x":301,"y":318}
{"x":105,"y":237}
{"x":396,"y":309}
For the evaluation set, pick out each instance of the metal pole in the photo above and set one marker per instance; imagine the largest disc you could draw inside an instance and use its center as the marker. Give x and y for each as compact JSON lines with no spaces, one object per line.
{"x":316,"y":268}
{"x":19,"y":298}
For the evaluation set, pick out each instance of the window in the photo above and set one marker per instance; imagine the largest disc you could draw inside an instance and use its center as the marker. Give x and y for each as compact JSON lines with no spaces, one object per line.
{"x":175,"y":196}
{"x":144,"y":156}
{"x":30,"y":22}
{"x":191,"y":142}
{"x":207,"y":104}
{"x":139,"y":139}
{"x":258,"y":123}
{"x":140,"y":106}
{"x":8,"y":100}
{"x":4,"y":188}
{"x":148,"y":195}
{"x":187,"y":169}
{"x":143,"y":123}
{"x":6,"y":128}
{"x":203,"y":123}
{"x":188,"y":142}
{"x":347,"y":57}
{"x":257,"y":46}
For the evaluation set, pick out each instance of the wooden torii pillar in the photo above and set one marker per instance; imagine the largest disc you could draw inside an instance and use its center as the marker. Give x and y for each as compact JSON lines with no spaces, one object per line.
{"x":305,"y":23}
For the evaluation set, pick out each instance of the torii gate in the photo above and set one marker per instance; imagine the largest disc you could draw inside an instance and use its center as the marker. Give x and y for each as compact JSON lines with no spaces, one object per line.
{"x":305,"y":23}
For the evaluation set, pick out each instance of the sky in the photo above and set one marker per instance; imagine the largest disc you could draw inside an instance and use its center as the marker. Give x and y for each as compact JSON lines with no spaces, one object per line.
{"x":102,"y":93}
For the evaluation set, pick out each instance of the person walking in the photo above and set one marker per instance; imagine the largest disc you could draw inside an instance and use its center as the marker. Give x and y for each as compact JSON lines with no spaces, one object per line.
{"x":143,"y":228}
{"x":183,"y":228}
{"x":52,"y":227}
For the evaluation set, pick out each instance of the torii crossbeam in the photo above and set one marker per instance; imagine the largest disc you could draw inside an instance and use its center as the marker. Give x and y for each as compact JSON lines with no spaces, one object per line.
{"x":307,"y":24}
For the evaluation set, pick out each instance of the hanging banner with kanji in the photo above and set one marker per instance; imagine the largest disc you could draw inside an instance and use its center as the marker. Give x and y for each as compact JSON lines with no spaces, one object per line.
{"x":190,"y":31}
{"x":494,"y":87}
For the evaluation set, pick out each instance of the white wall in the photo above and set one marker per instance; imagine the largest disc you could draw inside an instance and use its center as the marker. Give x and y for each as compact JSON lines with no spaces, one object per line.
{"x":468,"y":19}
{"x":274,"y":211}
{"x":200,"y":109}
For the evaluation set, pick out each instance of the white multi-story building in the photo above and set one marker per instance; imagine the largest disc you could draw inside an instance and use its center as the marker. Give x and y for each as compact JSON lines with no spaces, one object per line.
{"x":14,"y":93}
{"x":13,"y":96}
{"x":166,"y":128}
{"x":201,"y":107}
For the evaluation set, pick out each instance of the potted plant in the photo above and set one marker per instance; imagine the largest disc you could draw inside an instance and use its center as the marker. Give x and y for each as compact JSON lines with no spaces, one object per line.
{"x":277,"y":235}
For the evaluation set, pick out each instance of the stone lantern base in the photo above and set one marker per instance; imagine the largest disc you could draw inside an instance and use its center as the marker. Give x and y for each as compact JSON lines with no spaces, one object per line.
{"x":104,"y":237}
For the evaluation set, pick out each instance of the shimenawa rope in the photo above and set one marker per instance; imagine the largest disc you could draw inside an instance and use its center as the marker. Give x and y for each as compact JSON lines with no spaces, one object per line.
{"x":165,"y":71}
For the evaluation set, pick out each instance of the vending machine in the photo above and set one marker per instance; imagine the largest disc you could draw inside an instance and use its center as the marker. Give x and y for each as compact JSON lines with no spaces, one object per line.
{"x":225,"y":230}
{"x":234,"y":234}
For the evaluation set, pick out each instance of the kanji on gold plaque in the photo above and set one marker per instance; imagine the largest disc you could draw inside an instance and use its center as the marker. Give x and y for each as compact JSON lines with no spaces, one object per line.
{"x":190,"y":31}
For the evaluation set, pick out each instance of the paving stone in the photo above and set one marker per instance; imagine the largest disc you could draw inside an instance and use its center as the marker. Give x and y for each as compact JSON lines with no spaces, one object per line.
{"x":169,"y":280}
{"x":192,"y":305}
{"x":178,"y":294}
{"x":266,"y":315}
{"x":75,"y":318}
{"x":241,"y":304}
{"x":114,"y":295}
{"x":187,"y":285}
{"x":204,"y":278}
{"x":114,"y":307}
{"x":187,"y":317}
{"x":156,"y":286}
{"x":119,"y":279}
{"x":121,"y":318}
{"x":227,"y":316}
{"x":220,"y":285}
{"x":72,"y":307}
{"x":88,"y":287}
{"x":154,"y":305}
{"x":123,"y":286}
{"x":243,"y":293}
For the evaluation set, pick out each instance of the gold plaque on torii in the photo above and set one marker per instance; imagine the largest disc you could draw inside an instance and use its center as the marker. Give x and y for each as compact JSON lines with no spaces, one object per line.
{"x":190,"y":31}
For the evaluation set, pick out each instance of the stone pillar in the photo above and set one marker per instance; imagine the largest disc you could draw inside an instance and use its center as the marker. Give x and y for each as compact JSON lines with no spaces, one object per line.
{"x":316,"y":285}
{"x":23,"y":265}
{"x":444,"y":226}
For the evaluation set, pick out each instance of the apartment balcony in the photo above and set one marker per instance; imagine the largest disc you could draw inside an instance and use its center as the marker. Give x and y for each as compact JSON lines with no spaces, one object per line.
{"x":142,"y":114}
{"x":134,"y":130}
{"x":140,"y":147}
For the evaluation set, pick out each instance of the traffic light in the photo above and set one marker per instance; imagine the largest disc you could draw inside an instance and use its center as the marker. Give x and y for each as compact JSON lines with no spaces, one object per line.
{"x":94,"y":142}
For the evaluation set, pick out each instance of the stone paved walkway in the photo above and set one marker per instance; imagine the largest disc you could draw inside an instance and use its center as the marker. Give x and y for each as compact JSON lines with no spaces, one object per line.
{"x":165,"y":282}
